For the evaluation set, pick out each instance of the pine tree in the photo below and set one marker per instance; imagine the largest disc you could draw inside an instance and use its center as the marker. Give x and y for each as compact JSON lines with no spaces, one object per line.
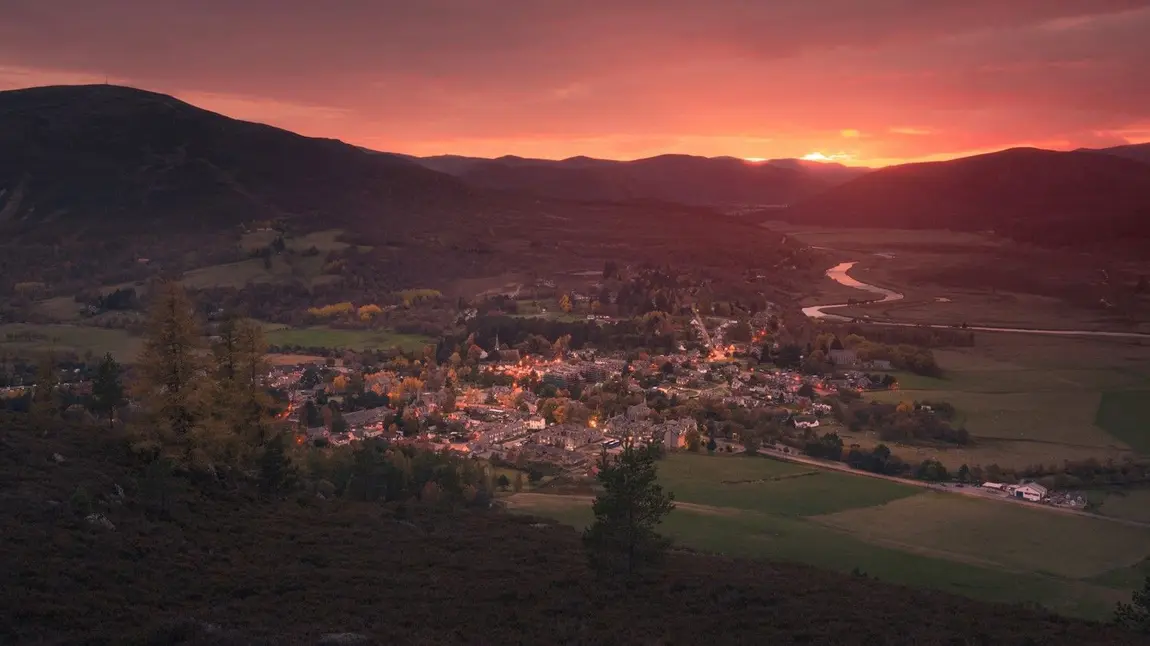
{"x":276,"y":470}
{"x":170,"y":382}
{"x":45,"y":403}
{"x":108,"y":389}
{"x":623,"y":539}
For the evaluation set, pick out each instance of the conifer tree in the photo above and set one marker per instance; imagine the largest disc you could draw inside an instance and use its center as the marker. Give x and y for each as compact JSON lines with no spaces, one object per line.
{"x":623,"y":540}
{"x":108,"y":389}
{"x":1136,"y":614}
{"x":45,"y":403}
{"x":170,"y":382}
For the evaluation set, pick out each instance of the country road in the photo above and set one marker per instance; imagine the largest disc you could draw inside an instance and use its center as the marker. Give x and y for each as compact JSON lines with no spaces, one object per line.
{"x":972,"y":491}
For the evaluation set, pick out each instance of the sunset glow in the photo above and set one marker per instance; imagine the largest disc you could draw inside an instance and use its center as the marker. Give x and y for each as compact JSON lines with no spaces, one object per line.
{"x":610,"y":79}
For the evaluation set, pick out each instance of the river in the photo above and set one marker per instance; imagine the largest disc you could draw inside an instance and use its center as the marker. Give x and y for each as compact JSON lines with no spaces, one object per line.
{"x":839,"y":274}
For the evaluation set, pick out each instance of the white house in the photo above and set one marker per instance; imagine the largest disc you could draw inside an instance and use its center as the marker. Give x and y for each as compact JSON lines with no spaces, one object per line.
{"x":536,"y":423}
{"x":994,"y":485}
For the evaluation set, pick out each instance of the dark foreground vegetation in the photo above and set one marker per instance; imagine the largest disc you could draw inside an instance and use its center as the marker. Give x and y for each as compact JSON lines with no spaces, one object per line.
{"x":293,"y":568}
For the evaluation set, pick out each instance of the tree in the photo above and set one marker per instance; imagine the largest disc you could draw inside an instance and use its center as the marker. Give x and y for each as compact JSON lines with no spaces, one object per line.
{"x":239,"y":384}
{"x":565,"y":303}
{"x":108,"y":389}
{"x":806,"y":390}
{"x":964,"y":473}
{"x":623,"y":536}
{"x":276,"y":471}
{"x":503,"y":481}
{"x":711,"y":445}
{"x":170,"y":385}
{"x":1136,"y":614}
{"x":518,"y":484}
{"x":45,"y":402}
{"x":693,"y":441}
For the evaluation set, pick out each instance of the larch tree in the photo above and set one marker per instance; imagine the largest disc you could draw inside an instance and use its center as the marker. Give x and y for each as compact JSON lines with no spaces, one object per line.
{"x":240,"y":398}
{"x":170,"y":371}
{"x":45,"y":404}
{"x":623,"y":540}
{"x":108,"y":389}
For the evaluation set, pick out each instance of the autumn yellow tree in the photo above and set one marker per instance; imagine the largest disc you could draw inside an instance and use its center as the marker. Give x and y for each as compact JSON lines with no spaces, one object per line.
{"x":170,"y":384}
{"x":565,"y":303}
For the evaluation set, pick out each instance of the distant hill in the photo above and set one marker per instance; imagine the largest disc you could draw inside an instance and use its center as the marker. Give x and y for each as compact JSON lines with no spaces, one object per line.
{"x":685,"y":179}
{"x":1137,"y":152}
{"x":1062,"y":198}
{"x":103,"y":185}
{"x":108,"y":156}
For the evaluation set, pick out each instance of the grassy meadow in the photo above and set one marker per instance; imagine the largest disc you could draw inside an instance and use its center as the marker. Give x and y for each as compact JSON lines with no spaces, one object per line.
{"x":761,"y":508}
{"x":69,"y":338}
{"x":326,"y":337}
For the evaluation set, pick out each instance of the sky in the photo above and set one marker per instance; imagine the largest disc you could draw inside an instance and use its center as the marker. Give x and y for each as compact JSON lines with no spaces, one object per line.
{"x":867,"y":82}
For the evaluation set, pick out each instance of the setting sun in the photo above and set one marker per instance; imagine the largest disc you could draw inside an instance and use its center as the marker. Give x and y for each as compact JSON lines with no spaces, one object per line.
{"x":819,"y":157}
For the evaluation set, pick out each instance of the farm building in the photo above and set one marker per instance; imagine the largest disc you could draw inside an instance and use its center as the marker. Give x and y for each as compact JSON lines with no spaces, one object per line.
{"x":1029,"y":491}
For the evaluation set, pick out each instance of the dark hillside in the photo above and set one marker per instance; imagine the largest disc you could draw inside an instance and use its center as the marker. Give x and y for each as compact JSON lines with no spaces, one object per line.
{"x":286,"y":573}
{"x":104,"y":156}
{"x":1057,"y":198}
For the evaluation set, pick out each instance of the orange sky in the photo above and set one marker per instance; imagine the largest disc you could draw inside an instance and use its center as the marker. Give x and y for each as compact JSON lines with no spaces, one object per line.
{"x":874,"y":82}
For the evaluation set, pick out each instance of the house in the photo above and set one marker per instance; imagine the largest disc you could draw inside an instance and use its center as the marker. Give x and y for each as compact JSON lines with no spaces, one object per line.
{"x":844,"y":357}
{"x":878,"y":364}
{"x":638,"y":411}
{"x":1030,"y":491}
{"x":806,"y":422}
{"x":536,"y":423}
{"x":997,"y":486}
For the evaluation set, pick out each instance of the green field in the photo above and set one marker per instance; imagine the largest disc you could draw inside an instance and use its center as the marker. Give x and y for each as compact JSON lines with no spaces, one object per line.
{"x":1009,"y":536}
{"x":71,"y":338}
{"x":1029,"y":400}
{"x":983,"y":549}
{"x":325,"y":337}
{"x":773,"y":487}
{"x":1131,"y":504}
{"x":1125,"y":414}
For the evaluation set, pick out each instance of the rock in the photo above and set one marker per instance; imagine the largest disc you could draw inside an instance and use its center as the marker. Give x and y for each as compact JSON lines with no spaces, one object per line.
{"x":100,"y":520}
{"x":118,"y":491}
{"x":342,"y":639}
{"x":57,"y":458}
{"x":540,"y":525}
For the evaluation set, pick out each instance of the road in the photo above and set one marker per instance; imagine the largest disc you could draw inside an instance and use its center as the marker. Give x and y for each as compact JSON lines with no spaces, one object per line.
{"x":839,"y":274}
{"x":974,"y":492}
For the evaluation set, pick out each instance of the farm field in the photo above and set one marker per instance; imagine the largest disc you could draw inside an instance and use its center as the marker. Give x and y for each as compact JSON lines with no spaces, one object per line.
{"x":1029,"y":400}
{"x":1008,"y":536}
{"x":1126,"y":415}
{"x":325,"y":337}
{"x":69,"y":338}
{"x":896,"y":534}
{"x":1130,"y":504}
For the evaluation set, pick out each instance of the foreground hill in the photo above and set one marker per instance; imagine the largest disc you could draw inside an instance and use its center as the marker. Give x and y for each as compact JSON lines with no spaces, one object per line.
{"x":1064,"y":198}
{"x":684,"y":179}
{"x":288,"y":572}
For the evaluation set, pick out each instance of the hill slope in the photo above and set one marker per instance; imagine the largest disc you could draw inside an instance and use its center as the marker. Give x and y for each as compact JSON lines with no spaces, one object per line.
{"x":1137,"y":152}
{"x":1038,"y":195}
{"x":684,"y":179}
{"x":95,"y":178}
{"x":285,"y":573}
{"x":108,"y":156}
